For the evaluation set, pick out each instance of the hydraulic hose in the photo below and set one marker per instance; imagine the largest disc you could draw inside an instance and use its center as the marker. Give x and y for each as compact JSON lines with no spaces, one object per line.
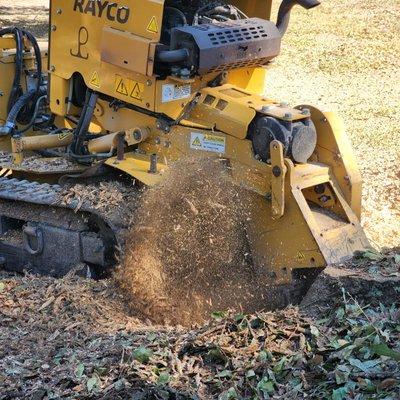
{"x":84,"y":122}
{"x":172,"y":56}
{"x":25,"y":111}
{"x":284,"y":12}
{"x":38,"y":57}
{"x":16,"y":90}
{"x":26,"y":114}
{"x":35,"y":113}
{"x":9,"y":126}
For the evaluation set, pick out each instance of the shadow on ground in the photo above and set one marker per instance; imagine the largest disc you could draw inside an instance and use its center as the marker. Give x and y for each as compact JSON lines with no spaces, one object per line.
{"x":33,"y":19}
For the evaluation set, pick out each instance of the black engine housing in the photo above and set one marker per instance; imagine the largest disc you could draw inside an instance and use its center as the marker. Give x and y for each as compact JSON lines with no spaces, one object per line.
{"x":218,"y":47}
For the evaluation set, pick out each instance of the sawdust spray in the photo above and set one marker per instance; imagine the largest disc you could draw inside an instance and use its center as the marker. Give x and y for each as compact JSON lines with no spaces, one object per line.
{"x":187,"y":252}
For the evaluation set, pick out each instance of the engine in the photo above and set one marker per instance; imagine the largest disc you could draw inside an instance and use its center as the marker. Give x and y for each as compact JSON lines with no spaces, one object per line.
{"x":201,"y":37}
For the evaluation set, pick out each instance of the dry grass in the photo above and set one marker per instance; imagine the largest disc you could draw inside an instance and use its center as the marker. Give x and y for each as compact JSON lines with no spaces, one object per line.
{"x":344,"y":56}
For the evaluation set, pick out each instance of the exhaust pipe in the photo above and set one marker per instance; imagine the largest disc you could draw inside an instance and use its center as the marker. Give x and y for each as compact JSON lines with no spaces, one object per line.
{"x":285,"y":8}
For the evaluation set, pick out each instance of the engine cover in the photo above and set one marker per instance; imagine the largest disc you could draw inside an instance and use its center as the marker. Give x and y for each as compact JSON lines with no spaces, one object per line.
{"x":222,"y":46}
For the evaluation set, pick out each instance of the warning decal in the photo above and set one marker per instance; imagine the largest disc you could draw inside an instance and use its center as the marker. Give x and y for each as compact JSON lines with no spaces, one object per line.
{"x":120,"y":86}
{"x":153,"y":25}
{"x":213,"y":143}
{"x":64,"y":135}
{"x":95,"y":80}
{"x":129,"y":88}
{"x":137,"y":89}
{"x":175,"y":92}
{"x":300,"y":256}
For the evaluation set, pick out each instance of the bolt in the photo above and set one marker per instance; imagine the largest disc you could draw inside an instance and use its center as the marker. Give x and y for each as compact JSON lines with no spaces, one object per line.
{"x":167,"y":129}
{"x":149,"y":82}
{"x":53,"y":28}
{"x":288,"y":116}
{"x":158,"y":140}
{"x":185,"y":73}
{"x":52,"y":68}
{"x":276,"y":171}
{"x":324,"y":199}
{"x":59,"y":11}
{"x":266,"y":108}
{"x":306,"y":112}
{"x":1,"y":93}
{"x":167,"y":144}
{"x":153,"y":164}
{"x":175,"y":71}
{"x":158,"y":125}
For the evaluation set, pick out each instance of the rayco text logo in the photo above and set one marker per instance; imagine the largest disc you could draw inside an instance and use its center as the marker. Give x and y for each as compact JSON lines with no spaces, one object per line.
{"x":101,"y":8}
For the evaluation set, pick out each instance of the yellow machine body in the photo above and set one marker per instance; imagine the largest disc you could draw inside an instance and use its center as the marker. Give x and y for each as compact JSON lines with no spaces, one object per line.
{"x":112,"y":47}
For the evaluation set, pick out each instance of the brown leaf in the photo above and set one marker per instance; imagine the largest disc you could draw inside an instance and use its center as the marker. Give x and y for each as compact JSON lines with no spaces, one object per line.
{"x":47,"y":303}
{"x":387,"y":383}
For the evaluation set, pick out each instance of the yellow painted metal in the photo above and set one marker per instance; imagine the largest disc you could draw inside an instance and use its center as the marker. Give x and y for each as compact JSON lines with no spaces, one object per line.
{"x":59,"y":91}
{"x":7,"y":42}
{"x":250,"y":79}
{"x":100,"y":51}
{"x":126,"y":59}
{"x":76,"y":43}
{"x":338,"y":239}
{"x":108,"y":142}
{"x":230,"y":109}
{"x":334,"y":149}
{"x":39,"y":142}
{"x":277,"y":179}
{"x":138,"y":166}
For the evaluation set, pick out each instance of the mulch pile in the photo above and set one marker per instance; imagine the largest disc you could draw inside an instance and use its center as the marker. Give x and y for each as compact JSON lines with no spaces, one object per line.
{"x":73,"y":338}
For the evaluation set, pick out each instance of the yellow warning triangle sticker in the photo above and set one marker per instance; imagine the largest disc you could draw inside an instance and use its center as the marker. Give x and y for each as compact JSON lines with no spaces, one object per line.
{"x":95,"y":80}
{"x":153,"y":25}
{"x":196,"y":142}
{"x":136,"y":93}
{"x":121,"y":87}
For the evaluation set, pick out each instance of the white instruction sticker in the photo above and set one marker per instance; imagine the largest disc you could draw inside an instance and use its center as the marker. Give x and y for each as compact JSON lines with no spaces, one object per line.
{"x":214,"y":143}
{"x":175,"y":92}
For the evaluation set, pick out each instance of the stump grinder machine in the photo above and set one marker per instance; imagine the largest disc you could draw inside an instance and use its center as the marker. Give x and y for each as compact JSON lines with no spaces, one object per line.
{"x":124,"y":89}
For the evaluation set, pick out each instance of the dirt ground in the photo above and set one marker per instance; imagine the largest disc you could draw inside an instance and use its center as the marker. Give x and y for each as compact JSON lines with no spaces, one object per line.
{"x":74,"y":338}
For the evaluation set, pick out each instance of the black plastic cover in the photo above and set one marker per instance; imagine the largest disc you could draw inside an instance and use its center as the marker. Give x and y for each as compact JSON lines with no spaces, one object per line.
{"x":229,"y":45}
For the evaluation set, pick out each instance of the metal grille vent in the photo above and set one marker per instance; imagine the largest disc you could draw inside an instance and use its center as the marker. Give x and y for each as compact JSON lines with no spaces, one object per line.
{"x":237,"y":35}
{"x":257,"y":62}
